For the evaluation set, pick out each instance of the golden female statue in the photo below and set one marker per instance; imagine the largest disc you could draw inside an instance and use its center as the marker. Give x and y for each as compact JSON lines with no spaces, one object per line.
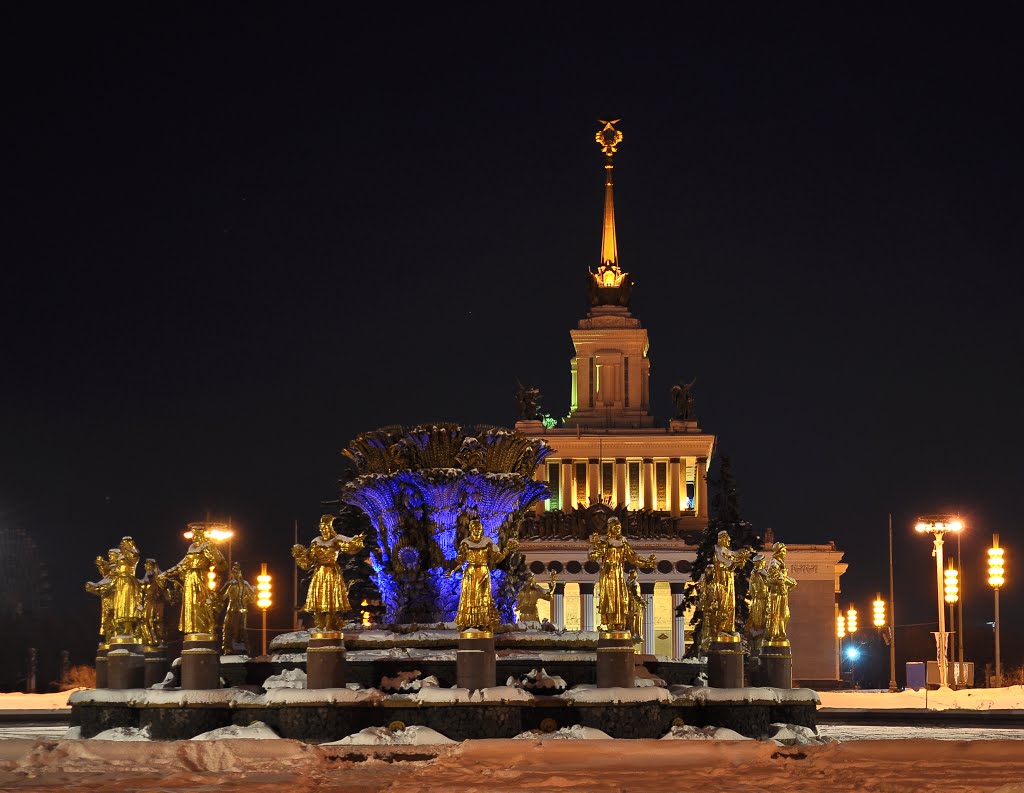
{"x":328,"y":595}
{"x":104,"y":589}
{"x":236,"y":595}
{"x":758,"y":595}
{"x":526,"y":603}
{"x":197,"y":600}
{"x":155,"y":597}
{"x":127,"y":590}
{"x":613,"y":551}
{"x":476,"y":601}
{"x":719,"y":597}
{"x":778,"y":585}
{"x":637,"y":606}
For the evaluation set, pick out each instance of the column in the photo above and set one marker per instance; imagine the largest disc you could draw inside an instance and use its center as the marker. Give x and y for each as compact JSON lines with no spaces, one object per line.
{"x":678,"y":622}
{"x":673,"y":485}
{"x":702,"y":488}
{"x":567,"y":496}
{"x":620,"y":481}
{"x":594,"y":479}
{"x":649,"y":494}
{"x":647,"y":592}
{"x":558,"y":606}
{"x":586,"y":606}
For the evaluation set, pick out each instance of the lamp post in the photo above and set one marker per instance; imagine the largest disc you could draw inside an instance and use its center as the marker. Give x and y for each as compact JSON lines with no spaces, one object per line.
{"x":851,"y":649}
{"x":995,"y":580}
{"x":840,"y":633}
{"x":892,"y":619}
{"x":937,"y":525}
{"x":952,"y":595}
{"x":263,"y":600}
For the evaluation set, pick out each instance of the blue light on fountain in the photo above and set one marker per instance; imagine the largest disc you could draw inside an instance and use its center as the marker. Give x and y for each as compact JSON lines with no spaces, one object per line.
{"x":416,"y":485}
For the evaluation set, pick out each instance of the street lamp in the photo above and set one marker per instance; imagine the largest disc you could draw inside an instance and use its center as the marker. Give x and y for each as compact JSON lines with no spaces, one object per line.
{"x":952,"y":594}
{"x":878,"y":612}
{"x":995,"y":580}
{"x":937,"y":525}
{"x":263,"y":600}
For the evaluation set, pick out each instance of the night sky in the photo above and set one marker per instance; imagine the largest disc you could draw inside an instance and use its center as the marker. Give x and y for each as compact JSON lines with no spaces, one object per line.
{"x":232,"y":241}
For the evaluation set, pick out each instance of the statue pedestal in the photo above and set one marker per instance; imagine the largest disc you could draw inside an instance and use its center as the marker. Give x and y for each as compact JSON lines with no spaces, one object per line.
{"x":615,"y":660}
{"x":125,"y":663}
{"x":102,"y":679}
{"x":777,"y":664}
{"x":725,"y":663}
{"x":325,"y":660}
{"x":156,"y":665}
{"x":683,"y":425}
{"x":475,"y":665}
{"x":200,"y":662}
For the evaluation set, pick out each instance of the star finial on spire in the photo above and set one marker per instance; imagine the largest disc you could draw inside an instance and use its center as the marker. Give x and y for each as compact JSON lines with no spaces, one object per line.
{"x":608,"y":138}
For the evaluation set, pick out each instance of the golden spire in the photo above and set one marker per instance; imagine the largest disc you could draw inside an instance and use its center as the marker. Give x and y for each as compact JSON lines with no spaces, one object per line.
{"x":608,"y":138}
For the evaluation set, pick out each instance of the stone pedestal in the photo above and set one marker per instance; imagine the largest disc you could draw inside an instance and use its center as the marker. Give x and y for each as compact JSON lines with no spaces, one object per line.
{"x":200,"y":662}
{"x":725,"y":663}
{"x":615,"y":658}
{"x":157,"y":665}
{"x":325,"y":660}
{"x":475,"y":665}
{"x":125,"y":663}
{"x":102,"y":679}
{"x":777,"y":664}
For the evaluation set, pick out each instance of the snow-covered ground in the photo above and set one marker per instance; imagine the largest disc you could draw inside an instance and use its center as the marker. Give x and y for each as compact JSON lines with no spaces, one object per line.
{"x":1008,"y":698}
{"x":568,"y":765}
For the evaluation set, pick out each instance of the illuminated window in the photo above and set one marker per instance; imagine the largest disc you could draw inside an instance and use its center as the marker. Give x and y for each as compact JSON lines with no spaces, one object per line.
{"x":554,"y":486}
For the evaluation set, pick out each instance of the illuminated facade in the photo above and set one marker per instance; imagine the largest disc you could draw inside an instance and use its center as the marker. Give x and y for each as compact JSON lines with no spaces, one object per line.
{"x":609,"y":455}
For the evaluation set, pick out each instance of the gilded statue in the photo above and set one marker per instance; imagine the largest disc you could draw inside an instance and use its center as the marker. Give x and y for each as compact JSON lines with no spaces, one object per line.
{"x":104,"y":589}
{"x":237,"y":595}
{"x":758,"y":597}
{"x":327,"y":597}
{"x":197,"y":600}
{"x":613,"y":551}
{"x":526,"y":603}
{"x":127,"y":590}
{"x":718,"y":596}
{"x":637,"y":606}
{"x":155,"y":596}
{"x":778,"y":583}
{"x":479,"y":554}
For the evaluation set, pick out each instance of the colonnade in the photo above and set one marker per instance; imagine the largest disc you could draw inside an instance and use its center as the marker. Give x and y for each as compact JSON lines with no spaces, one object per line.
{"x":576,"y":610}
{"x":672,"y":484}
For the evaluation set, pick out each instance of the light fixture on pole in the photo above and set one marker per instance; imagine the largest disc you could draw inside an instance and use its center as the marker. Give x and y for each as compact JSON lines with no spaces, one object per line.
{"x":263,"y":600}
{"x":952,"y":595}
{"x":892,"y":618}
{"x":995,"y":580}
{"x":937,"y":525}
{"x":878,"y":612}
{"x":840,"y":633}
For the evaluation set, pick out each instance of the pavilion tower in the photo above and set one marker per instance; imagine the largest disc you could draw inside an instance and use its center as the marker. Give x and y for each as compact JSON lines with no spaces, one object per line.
{"x":611,"y":370}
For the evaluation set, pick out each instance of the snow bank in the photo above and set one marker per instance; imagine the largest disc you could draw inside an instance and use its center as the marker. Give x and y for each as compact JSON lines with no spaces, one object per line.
{"x":57,"y":700}
{"x":591,"y":694}
{"x":687,"y":733}
{"x":573,"y":733}
{"x":257,"y":730}
{"x":289,"y":678}
{"x":72,"y":734}
{"x":1007,"y":698}
{"x":702,"y":694}
{"x":415,"y":735}
{"x":123,"y":734}
{"x":796,"y":735}
{"x":319,"y":696}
